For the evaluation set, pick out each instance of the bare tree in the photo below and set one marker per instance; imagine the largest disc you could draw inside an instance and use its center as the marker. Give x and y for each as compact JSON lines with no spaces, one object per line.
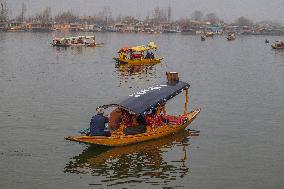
{"x":169,"y":13}
{"x":21,"y":17}
{"x":243,"y":21}
{"x":270,"y":23}
{"x":66,"y":17}
{"x":159,"y":15}
{"x":107,"y":14}
{"x":4,"y":11}
{"x":212,"y":18}
{"x":197,"y":15}
{"x":23,"y":12}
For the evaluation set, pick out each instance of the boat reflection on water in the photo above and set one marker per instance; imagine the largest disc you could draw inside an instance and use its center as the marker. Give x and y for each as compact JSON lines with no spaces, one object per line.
{"x":75,"y":50}
{"x":126,"y":71}
{"x":59,"y":49}
{"x":142,"y":162}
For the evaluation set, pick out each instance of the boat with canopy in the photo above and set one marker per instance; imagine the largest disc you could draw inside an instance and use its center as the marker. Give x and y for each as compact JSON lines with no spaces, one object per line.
{"x":138,"y":55}
{"x":278,"y":45}
{"x":78,"y":41}
{"x":231,"y":36}
{"x":61,"y":42}
{"x":209,"y":34}
{"x":144,"y":103}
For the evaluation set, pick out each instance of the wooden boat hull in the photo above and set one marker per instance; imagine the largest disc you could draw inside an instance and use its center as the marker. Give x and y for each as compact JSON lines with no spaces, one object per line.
{"x":87,"y":45}
{"x":209,"y":34}
{"x":231,"y":38}
{"x":122,"y":140}
{"x":138,"y":62}
{"x":276,"y":47}
{"x":60,"y":45}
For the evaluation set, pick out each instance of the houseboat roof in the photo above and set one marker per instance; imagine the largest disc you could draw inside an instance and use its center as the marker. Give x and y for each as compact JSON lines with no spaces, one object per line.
{"x":147,"y":99}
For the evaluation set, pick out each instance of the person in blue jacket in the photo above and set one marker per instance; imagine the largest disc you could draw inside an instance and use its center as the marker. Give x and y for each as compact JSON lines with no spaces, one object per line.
{"x":98,"y":124}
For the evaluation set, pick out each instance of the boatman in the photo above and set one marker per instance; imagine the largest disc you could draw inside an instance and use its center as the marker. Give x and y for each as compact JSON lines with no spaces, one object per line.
{"x":98,"y":124}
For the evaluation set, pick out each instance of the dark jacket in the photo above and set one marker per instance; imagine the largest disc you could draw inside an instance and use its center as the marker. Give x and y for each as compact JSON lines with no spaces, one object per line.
{"x":97,"y":125}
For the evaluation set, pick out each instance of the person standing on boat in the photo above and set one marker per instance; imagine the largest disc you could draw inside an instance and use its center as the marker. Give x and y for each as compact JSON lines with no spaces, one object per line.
{"x":98,"y":124}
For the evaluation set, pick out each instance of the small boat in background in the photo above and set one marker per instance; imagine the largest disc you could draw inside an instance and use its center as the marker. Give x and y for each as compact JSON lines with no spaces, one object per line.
{"x":266,"y":41}
{"x":278,"y":45}
{"x":231,"y":36}
{"x":78,"y":41}
{"x":209,"y":34}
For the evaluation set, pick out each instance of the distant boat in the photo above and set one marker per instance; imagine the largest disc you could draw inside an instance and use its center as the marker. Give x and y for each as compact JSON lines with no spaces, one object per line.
{"x":40,"y":27}
{"x":79,"y":41}
{"x":266,"y":41}
{"x":278,"y":45}
{"x":138,"y":55}
{"x":209,"y":34}
{"x":171,"y":31}
{"x":231,"y":37}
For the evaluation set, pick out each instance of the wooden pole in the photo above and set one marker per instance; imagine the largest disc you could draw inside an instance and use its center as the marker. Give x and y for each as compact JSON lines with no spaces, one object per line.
{"x":186,"y":102}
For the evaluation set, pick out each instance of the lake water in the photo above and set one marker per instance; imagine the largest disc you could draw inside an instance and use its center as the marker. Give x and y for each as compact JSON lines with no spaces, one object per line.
{"x":48,"y":93}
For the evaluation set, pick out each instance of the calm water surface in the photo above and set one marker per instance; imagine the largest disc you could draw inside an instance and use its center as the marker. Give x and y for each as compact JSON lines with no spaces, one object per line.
{"x":48,"y":93}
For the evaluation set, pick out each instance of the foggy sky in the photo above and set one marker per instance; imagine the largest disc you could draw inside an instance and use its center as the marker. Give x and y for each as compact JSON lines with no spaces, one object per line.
{"x":228,"y":10}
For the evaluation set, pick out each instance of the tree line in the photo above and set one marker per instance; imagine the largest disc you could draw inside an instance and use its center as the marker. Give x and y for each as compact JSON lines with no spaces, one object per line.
{"x":105,"y":17}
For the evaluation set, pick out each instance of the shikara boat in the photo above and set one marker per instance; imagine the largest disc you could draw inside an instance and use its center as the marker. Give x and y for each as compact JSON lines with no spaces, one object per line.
{"x":138,"y":55}
{"x":84,"y":41}
{"x":60,"y":42}
{"x":231,"y":37}
{"x":278,"y":45}
{"x":78,"y":41}
{"x":209,"y":34}
{"x":141,"y":103}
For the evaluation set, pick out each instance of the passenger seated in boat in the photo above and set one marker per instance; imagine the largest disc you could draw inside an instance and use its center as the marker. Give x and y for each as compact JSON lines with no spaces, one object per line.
{"x":155,"y":118}
{"x":97,"y":124}
{"x":161,"y":109}
{"x":80,"y":41}
{"x":122,"y":55}
{"x":137,"y":126}
{"x":152,"y":56}
{"x":148,"y":55}
{"x":115,"y":119}
{"x":125,"y":118}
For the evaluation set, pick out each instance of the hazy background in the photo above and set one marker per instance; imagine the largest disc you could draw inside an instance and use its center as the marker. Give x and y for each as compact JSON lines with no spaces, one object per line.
{"x":228,"y":10}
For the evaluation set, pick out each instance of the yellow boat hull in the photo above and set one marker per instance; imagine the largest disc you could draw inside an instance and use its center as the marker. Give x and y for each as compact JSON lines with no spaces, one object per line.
{"x":122,"y":140}
{"x":138,"y":61}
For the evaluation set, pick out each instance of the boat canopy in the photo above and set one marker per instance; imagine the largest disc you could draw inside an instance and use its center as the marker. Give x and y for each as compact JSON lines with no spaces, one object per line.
{"x":147,"y":99}
{"x":86,"y":37}
{"x":141,"y":48}
{"x":77,"y":37}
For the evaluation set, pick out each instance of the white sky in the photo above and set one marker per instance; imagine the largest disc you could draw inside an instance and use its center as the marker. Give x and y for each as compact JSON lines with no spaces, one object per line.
{"x":229,"y":10}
